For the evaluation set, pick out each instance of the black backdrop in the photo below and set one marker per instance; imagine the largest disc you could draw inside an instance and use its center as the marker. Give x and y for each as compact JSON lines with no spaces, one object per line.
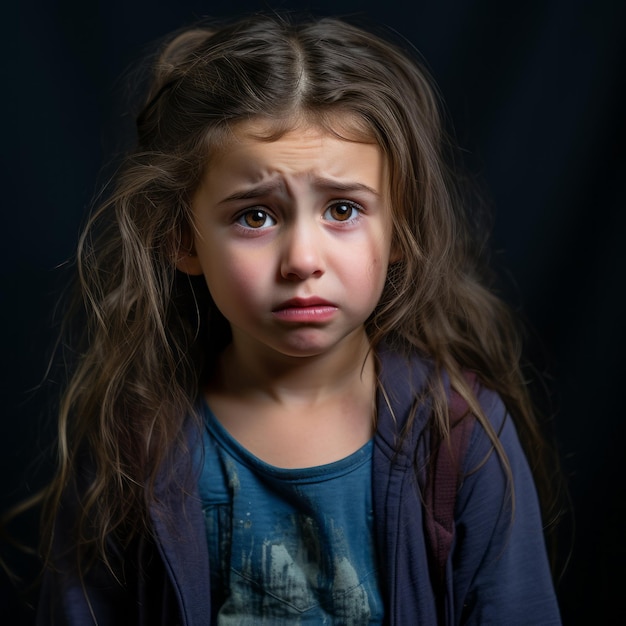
{"x":536,"y":91}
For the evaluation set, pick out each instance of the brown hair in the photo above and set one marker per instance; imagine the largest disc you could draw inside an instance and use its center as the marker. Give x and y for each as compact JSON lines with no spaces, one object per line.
{"x":151,"y":334}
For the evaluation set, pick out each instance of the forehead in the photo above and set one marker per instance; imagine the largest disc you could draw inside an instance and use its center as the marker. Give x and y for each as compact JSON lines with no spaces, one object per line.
{"x":299,"y":147}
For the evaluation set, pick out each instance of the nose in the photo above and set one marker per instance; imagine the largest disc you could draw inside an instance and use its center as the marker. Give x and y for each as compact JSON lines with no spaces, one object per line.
{"x":302,"y":254}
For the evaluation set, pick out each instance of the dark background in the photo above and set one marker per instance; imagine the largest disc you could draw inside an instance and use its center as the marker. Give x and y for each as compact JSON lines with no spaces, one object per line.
{"x":536,"y":92}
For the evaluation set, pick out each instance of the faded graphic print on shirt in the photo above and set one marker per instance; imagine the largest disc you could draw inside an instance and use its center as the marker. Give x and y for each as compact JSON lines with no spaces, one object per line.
{"x":287,"y":547}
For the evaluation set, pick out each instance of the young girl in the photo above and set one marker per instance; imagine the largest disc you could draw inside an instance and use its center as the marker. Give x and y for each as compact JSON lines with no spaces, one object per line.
{"x":294,"y":400}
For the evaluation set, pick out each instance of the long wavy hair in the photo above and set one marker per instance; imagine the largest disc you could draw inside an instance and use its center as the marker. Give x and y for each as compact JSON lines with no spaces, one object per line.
{"x":150,"y":335}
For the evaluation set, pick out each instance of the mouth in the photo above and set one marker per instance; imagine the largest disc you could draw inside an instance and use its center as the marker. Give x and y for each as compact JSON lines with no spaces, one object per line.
{"x":305,"y":310}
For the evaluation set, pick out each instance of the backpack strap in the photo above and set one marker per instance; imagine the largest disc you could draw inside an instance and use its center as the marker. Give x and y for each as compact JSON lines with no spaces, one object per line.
{"x":443,"y":477}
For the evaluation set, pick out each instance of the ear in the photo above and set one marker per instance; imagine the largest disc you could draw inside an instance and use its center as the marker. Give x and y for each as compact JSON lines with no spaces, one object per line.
{"x":187,"y":259}
{"x":189,"y":263}
{"x":395,"y":253}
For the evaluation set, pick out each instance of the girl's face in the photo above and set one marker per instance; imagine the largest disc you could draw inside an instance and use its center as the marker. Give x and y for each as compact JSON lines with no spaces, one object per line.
{"x":293,"y":237}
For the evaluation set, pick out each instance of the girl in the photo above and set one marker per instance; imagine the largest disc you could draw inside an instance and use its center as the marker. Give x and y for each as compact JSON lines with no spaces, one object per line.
{"x":294,"y":397}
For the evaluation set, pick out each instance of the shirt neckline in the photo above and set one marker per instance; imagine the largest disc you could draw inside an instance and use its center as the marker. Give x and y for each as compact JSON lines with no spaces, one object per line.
{"x":326,"y":471}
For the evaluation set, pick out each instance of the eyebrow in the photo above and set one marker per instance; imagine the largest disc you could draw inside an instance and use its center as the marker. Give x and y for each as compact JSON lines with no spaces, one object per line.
{"x":253,"y":192}
{"x":336,"y":185}
{"x":327,"y":184}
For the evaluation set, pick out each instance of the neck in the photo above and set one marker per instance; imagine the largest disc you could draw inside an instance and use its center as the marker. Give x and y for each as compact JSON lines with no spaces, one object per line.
{"x":264,"y":375}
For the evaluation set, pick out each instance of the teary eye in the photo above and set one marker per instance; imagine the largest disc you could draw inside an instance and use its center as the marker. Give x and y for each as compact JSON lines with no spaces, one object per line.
{"x":256,"y":218}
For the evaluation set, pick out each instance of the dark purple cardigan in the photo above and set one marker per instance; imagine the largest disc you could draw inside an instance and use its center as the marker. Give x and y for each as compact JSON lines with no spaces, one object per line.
{"x":497,"y":571}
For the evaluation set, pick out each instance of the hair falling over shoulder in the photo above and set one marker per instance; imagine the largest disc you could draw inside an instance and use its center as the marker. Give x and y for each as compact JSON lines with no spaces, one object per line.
{"x":149,"y":335}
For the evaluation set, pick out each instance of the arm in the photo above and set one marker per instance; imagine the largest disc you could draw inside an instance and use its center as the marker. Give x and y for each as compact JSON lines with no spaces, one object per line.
{"x":501,"y":571}
{"x":138,"y":594}
{"x":69,"y":599}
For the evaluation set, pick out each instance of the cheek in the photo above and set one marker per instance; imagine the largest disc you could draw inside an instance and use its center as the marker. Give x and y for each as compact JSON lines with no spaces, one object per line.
{"x":232,"y":278}
{"x":367,"y":275}
{"x":377,"y":276}
{"x":379,"y":256}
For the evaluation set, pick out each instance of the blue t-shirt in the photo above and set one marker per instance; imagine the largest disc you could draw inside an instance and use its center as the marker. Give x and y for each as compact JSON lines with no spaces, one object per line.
{"x":288,"y":546}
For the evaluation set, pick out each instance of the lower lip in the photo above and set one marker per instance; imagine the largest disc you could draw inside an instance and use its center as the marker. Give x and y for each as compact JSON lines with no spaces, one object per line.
{"x":321,"y":313}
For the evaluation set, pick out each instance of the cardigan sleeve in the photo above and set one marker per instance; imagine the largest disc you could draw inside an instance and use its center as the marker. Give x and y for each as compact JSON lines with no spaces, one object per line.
{"x":500,"y":567}
{"x":138,"y":594}
{"x":70,"y":598}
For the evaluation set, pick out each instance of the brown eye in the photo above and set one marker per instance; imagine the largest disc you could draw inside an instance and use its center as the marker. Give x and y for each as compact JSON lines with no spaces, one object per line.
{"x":256,"y":218}
{"x":342,"y":212}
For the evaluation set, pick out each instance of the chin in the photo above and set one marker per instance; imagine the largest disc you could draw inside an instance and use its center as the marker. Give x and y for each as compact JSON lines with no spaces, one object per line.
{"x":303,"y":350}
{"x":310,"y":343}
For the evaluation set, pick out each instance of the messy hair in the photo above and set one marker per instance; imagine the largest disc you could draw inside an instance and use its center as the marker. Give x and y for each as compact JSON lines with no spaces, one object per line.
{"x":151,"y":334}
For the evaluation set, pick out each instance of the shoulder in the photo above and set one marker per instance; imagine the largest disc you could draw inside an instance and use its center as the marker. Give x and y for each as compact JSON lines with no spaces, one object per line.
{"x":402,"y":384}
{"x":494,"y":447}
{"x":405,"y":405}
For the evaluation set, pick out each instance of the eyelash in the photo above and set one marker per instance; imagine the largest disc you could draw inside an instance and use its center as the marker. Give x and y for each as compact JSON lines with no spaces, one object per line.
{"x":355,"y":213}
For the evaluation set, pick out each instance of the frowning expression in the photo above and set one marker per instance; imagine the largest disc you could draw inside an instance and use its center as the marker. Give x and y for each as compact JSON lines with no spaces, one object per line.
{"x":293,"y":237}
